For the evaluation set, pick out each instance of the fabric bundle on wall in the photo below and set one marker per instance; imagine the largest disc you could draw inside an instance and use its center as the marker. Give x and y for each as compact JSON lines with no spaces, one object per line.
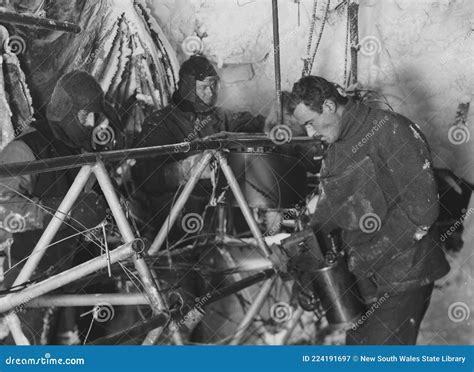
{"x":16,"y":110}
{"x":120,"y":44}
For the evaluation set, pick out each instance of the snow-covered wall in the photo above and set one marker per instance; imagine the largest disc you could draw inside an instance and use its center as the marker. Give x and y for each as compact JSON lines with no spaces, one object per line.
{"x":419,"y":53}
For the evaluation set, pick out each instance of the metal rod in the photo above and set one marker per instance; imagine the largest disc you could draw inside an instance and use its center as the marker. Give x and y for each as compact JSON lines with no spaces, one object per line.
{"x":239,"y":197}
{"x":39,"y":250}
{"x":157,"y":303}
{"x":157,"y":321}
{"x":253,"y":311}
{"x":14,"y":325}
{"x":53,"y":226}
{"x":37,"y":22}
{"x":153,"y":335}
{"x":276,"y":56}
{"x":180,"y":202}
{"x":13,"y":300}
{"x":237,"y":277}
{"x":149,"y":284}
{"x":241,"y":284}
{"x":72,"y":300}
{"x":291,"y":325}
{"x":76,"y":161}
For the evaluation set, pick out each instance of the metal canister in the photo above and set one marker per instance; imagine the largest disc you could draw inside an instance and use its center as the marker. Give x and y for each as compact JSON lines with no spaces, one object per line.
{"x":268,"y":179}
{"x":339,"y":294}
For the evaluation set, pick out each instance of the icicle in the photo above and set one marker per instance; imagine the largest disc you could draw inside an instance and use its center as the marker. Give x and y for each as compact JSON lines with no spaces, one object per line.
{"x":122,"y":93}
{"x":103,"y":45}
{"x":124,"y":54}
{"x":110,"y":65}
{"x":144,"y":72}
{"x":168,"y":60}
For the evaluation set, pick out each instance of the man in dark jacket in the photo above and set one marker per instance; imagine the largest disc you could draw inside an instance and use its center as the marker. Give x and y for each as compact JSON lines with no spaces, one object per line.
{"x":378,"y":188}
{"x":28,"y":202}
{"x":192,"y":115}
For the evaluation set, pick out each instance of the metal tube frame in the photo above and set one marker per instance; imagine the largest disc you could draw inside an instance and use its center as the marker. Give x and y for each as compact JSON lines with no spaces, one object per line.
{"x":73,"y":300}
{"x":9,"y":302}
{"x":39,"y":250}
{"x":243,"y":205}
{"x":19,"y":298}
{"x":30,"y":296}
{"x":150,"y":286}
{"x":180,"y":202}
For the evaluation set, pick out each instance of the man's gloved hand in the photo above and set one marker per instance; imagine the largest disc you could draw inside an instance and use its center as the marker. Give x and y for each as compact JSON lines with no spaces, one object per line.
{"x":420,"y":232}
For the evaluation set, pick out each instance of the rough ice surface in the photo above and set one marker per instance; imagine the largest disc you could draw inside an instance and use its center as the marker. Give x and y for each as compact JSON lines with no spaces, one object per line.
{"x":419,"y":54}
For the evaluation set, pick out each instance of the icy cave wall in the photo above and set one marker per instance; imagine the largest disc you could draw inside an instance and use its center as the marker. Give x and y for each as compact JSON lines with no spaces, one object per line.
{"x":419,"y":53}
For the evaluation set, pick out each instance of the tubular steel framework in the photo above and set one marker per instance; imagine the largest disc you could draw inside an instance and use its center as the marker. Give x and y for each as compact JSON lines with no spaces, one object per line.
{"x":36,"y":295}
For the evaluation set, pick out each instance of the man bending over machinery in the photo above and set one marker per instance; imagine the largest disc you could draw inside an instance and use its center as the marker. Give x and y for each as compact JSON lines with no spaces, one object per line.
{"x":377,"y":187}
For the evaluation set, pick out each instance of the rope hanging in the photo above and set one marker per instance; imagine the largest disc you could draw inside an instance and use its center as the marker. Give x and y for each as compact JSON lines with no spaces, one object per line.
{"x":309,"y":61}
{"x":352,"y":18}
{"x":346,"y":53}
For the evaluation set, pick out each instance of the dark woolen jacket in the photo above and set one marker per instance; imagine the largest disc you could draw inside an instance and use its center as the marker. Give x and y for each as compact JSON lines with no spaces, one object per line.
{"x":378,"y":187}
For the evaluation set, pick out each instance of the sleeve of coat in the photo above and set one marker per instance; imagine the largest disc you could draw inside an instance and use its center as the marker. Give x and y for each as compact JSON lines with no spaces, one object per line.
{"x":407,"y":157}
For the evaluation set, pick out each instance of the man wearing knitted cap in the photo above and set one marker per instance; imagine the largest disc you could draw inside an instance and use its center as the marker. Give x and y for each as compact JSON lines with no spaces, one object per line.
{"x":192,"y":115}
{"x":76,"y":113}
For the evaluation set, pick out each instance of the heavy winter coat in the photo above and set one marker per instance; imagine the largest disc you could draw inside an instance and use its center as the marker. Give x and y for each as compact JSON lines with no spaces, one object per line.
{"x":378,"y":187}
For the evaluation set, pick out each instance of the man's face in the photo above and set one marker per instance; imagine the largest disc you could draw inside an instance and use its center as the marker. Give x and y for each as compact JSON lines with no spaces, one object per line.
{"x":326,"y":124}
{"x":207,"y":89}
{"x":86,"y":118}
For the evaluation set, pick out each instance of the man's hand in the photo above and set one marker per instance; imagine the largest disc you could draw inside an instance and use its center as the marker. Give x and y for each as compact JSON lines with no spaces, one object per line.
{"x":420,"y":232}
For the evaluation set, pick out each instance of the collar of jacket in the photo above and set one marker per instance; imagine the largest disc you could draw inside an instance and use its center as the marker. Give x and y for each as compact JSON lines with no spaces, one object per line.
{"x":186,"y":105}
{"x":353,"y":119}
